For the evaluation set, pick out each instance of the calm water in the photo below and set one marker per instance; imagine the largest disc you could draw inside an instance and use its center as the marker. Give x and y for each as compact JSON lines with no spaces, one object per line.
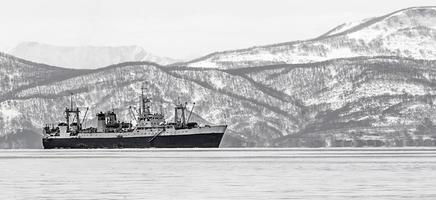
{"x":218,"y":174}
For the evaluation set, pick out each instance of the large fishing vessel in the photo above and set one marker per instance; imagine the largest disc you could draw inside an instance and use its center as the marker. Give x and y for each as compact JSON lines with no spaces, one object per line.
{"x":151,"y":130}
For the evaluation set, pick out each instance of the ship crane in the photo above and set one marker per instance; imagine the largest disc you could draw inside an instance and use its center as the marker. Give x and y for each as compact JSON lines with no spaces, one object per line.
{"x":132,"y":113}
{"x":192,"y":109}
{"x":182,"y":121}
{"x":70,"y":111}
{"x":76,"y":116}
{"x":84,"y":117}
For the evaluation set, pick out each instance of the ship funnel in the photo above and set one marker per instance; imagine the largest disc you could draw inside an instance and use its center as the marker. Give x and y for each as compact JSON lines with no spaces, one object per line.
{"x":101,"y":123}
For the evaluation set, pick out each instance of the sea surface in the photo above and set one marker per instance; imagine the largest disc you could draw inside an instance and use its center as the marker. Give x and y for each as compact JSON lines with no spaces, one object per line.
{"x":375,"y":173}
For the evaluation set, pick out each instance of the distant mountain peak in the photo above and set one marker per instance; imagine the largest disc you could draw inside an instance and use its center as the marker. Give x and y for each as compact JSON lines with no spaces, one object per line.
{"x":85,"y":57}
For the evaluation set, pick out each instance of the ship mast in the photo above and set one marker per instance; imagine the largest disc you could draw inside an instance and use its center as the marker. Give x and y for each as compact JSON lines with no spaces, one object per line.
{"x":145,"y":109}
{"x":67,"y":112}
{"x":71,"y":101}
{"x":161,"y":107}
{"x":142,"y":100}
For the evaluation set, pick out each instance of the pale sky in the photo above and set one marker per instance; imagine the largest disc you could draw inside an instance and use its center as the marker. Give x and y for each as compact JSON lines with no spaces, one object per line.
{"x":181,"y":28}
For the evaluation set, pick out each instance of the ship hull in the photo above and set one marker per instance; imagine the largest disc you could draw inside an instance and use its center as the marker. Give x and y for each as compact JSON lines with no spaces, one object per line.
{"x":208,"y":140}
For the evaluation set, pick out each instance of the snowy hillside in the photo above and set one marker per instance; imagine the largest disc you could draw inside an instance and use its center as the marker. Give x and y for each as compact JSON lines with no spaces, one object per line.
{"x":16,"y":73}
{"x":260,"y":104}
{"x":84,"y":57}
{"x":406,"y":33}
{"x":377,"y":77}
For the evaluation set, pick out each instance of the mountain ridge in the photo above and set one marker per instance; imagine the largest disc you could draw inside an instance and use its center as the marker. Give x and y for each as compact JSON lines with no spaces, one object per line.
{"x":248,"y":92}
{"x":311,"y":39}
{"x":372,"y":21}
{"x":326,"y":47}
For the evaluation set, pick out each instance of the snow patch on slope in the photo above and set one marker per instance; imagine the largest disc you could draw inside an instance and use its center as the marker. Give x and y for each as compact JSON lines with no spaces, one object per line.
{"x":346,"y":26}
{"x":8,"y":112}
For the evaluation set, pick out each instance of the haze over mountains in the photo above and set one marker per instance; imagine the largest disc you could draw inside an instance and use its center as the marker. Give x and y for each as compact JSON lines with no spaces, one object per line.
{"x":85,"y":57}
{"x":359,"y":79}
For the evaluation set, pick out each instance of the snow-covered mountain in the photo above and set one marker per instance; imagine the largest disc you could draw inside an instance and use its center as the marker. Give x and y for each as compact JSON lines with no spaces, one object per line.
{"x":84,"y":57}
{"x":407,"y":33}
{"x":260,"y":104}
{"x":265,"y":102}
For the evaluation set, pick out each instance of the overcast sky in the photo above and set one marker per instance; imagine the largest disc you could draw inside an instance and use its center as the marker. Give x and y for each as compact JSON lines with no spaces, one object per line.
{"x":181,"y":28}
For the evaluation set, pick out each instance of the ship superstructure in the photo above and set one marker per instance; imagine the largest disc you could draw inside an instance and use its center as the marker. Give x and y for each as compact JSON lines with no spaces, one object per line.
{"x":150,"y":130}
